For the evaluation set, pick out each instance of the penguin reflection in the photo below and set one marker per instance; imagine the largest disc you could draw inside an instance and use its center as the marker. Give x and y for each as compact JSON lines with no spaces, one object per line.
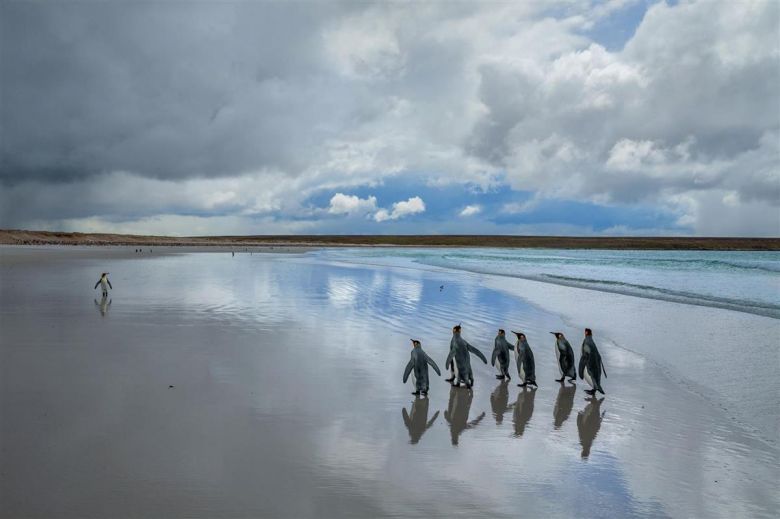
{"x":417,"y":422}
{"x":563,"y":404}
{"x":524,"y":408}
{"x":589,"y":423}
{"x":457,"y":413}
{"x":103,"y":305}
{"x":499,"y":400}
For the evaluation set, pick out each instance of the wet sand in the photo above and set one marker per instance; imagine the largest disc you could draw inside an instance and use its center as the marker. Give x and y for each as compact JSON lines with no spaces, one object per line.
{"x":287,"y":401}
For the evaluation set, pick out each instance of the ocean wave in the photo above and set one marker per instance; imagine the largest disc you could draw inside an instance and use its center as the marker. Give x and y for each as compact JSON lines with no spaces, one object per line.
{"x":618,"y":261}
{"x":757,"y":307}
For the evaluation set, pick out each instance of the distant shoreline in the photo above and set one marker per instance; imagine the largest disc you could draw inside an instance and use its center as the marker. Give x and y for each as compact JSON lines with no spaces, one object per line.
{"x":21,"y":237}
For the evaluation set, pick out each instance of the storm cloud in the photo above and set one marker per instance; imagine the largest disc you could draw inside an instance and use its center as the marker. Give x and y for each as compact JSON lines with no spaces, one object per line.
{"x":232,"y":116}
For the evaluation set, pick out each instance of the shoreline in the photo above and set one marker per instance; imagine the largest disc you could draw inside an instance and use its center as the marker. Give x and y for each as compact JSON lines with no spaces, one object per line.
{"x":22,"y":237}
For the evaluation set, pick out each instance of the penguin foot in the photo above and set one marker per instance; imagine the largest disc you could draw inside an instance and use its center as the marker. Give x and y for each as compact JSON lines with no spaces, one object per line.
{"x":601,"y":391}
{"x":425,"y":393}
{"x":522,"y":385}
{"x":416,"y":393}
{"x":449,"y":379}
{"x":590,"y":391}
{"x":559,"y":380}
{"x":500,"y":377}
{"x":468,"y":386}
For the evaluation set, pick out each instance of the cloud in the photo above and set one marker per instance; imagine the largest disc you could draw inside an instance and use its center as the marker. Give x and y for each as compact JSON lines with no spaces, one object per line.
{"x":471,"y":210}
{"x":350,"y":204}
{"x":401,"y":209}
{"x":126,"y":112}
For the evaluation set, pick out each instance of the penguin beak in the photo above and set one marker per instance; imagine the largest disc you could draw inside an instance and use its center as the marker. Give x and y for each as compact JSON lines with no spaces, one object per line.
{"x":553,"y":333}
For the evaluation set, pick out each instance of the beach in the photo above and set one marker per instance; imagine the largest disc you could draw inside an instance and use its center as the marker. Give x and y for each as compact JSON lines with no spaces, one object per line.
{"x":209,"y":384}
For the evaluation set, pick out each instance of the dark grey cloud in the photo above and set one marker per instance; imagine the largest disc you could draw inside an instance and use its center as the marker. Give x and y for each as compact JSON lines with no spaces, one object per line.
{"x":169,"y":89}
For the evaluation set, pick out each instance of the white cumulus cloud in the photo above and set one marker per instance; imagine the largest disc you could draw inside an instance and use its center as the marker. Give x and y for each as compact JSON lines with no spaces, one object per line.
{"x":471,"y":210}
{"x":351,"y":204}
{"x":401,"y":209}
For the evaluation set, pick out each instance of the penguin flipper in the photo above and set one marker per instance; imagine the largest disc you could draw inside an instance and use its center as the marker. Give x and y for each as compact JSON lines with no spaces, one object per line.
{"x":408,"y":370}
{"x":583,"y":362}
{"x":448,"y":362}
{"x":430,"y":422}
{"x":493,"y":357}
{"x":603,"y":368}
{"x":96,"y":284}
{"x":476,"y":352}
{"x":109,"y":284}
{"x":433,"y":365}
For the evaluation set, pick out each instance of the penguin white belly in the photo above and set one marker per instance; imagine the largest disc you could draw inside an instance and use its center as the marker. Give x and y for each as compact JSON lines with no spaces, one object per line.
{"x":414,"y":380}
{"x":587,"y":377}
{"x":558,"y":358}
{"x":104,"y":284}
{"x":522,"y":372}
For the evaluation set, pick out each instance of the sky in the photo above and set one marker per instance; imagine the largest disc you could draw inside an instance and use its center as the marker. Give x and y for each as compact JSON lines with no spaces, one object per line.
{"x":617,"y":117}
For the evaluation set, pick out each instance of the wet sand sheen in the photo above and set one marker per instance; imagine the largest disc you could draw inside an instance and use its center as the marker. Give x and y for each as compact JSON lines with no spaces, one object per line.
{"x":287,"y":401}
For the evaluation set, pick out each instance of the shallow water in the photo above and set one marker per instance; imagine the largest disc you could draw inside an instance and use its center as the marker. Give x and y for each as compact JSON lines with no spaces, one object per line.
{"x":287,"y":400}
{"x":744,"y":281}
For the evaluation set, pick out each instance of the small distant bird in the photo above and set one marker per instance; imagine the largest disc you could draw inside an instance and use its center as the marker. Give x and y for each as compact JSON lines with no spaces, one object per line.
{"x":459,"y":360}
{"x":441,"y":288}
{"x":591,"y":364}
{"x":104,"y":283}
{"x":524,"y":358}
{"x":501,"y":349}
{"x":565,"y":356}
{"x":418,"y":368}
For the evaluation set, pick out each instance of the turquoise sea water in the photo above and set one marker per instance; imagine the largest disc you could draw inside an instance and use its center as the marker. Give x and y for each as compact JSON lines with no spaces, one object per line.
{"x":742,"y":281}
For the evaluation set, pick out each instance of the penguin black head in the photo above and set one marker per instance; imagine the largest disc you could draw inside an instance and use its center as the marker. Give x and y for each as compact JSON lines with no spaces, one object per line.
{"x":104,"y":274}
{"x":501,"y":332}
{"x":456,"y":328}
{"x":558,"y":335}
{"x":520,"y":335}
{"x":588,"y":331}
{"x":415,"y":343}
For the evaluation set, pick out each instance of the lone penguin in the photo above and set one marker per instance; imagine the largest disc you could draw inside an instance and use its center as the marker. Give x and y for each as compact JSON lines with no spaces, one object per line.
{"x":501,"y":349}
{"x":418,"y":367}
{"x":104,"y":283}
{"x":459,"y":360}
{"x":591,"y":364}
{"x":524,"y":358}
{"x":565,"y":356}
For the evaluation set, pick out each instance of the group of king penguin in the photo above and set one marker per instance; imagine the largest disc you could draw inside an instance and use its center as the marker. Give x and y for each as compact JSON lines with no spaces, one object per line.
{"x":459,"y":361}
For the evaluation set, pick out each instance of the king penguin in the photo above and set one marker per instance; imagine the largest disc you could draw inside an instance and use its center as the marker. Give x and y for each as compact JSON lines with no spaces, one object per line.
{"x":591,"y":364}
{"x":418,"y":367}
{"x":501,"y":349}
{"x":524,"y":358}
{"x":565,"y":356}
{"x":104,"y":283}
{"x":459,"y":357}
